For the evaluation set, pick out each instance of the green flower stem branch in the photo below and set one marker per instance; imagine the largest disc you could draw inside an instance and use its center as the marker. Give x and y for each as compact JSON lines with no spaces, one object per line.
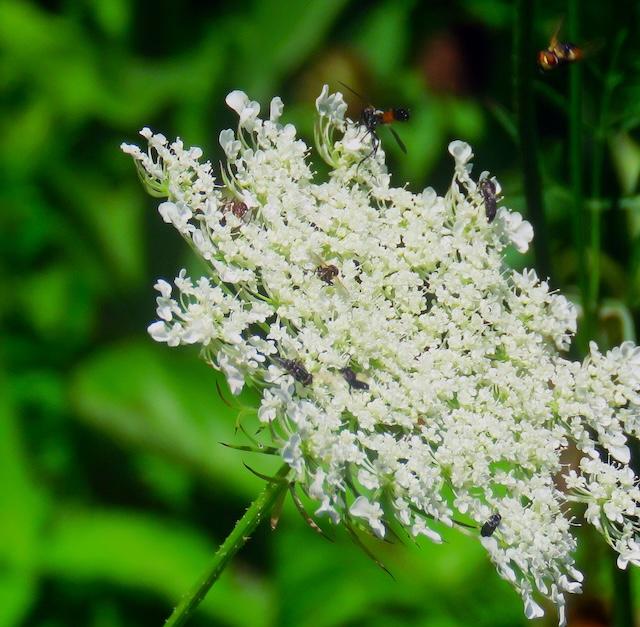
{"x":233,"y":543}
{"x":524,"y":66}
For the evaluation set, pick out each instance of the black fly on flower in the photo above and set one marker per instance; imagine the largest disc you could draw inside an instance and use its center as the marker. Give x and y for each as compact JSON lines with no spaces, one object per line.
{"x":296,"y":369}
{"x":352,"y":379}
{"x":490,"y":193}
{"x":489,"y":527}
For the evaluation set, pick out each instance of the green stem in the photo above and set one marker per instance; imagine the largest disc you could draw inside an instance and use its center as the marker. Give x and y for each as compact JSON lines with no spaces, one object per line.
{"x":575,"y":169}
{"x":596,"y":173}
{"x":524,"y":65}
{"x":233,"y":543}
{"x":623,"y":606}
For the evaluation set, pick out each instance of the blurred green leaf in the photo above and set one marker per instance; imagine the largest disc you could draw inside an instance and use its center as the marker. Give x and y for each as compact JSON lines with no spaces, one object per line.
{"x":424,"y":142}
{"x":427,"y":587}
{"x":169,"y":482}
{"x":113,"y":215}
{"x":19,"y":494}
{"x":25,"y":136}
{"x":164,"y":401}
{"x":17,"y":594}
{"x":23,"y":507}
{"x":114,"y":16}
{"x":280,"y":35}
{"x":28,"y":31}
{"x":55,"y":302}
{"x":467,"y":119}
{"x":496,"y":13}
{"x":626,"y":158}
{"x":384,"y":35}
{"x":143,"y":553}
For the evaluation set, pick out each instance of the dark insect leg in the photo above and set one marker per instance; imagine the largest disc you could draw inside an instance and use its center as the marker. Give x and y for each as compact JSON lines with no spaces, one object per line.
{"x":375,"y":141}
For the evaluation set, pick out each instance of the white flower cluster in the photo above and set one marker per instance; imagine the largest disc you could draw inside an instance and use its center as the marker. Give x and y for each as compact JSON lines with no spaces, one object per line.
{"x":406,"y":374}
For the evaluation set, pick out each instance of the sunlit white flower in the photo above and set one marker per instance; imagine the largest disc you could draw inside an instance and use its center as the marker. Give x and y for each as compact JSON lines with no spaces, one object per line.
{"x":331,"y":106}
{"x":229,"y":143}
{"x":371,"y":512}
{"x":404,"y":371}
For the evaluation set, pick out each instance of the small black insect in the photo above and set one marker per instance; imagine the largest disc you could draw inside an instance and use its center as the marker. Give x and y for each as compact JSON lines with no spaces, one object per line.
{"x":327,"y":273}
{"x":297,"y":371}
{"x":491,"y":525}
{"x":489,"y":194}
{"x":350,"y":377}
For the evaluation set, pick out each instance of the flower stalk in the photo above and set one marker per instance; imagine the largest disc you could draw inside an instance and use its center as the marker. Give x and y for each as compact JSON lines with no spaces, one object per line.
{"x":254,"y":515}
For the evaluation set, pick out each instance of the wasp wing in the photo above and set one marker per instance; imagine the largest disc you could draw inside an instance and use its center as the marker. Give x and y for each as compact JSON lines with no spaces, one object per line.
{"x":553,"y":42}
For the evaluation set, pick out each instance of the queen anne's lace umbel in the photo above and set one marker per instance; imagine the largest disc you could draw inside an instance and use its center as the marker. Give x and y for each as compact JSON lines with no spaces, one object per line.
{"x":407,"y":373}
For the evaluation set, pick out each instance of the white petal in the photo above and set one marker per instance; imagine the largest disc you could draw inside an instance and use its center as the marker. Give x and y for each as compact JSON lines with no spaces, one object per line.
{"x":229,"y":143}
{"x":275,"y":110}
{"x":163,"y":287}
{"x":237,"y":100}
{"x":532,"y":609}
{"x":158,"y":331}
{"x":460,"y":151}
{"x":371,"y":512}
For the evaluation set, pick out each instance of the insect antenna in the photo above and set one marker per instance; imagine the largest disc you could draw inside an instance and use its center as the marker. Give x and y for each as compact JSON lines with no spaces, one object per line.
{"x":353,"y":91}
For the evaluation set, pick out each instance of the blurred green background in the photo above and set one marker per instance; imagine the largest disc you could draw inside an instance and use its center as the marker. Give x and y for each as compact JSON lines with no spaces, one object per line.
{"x":114,"y":490}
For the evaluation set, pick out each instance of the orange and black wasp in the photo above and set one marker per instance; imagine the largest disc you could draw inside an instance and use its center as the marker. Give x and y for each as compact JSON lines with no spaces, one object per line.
{"x":371,"y":118}
{"x":559,"y":53}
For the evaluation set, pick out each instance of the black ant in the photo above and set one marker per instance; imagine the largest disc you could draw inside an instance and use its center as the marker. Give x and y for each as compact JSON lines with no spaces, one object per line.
{"x":371,"y":118}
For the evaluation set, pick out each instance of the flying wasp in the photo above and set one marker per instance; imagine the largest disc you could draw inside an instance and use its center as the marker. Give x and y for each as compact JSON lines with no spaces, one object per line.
{"x":371,"y":118}
{"x":558,"y":52}
{"x":491,"y":525}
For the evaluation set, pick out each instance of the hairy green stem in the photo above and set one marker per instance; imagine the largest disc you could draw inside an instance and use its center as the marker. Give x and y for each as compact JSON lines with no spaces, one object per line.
{"x":233,"y":543}
{"x":524,"y":66}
